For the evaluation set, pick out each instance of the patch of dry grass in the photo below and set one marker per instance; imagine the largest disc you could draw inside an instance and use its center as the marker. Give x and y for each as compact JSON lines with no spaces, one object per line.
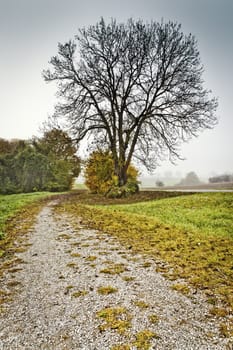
{"x":114,"y":269}
{"x":105,"y":290}
{"x":143,"y":339}
{"x":79,"y":293}
{"x":117,"y":318}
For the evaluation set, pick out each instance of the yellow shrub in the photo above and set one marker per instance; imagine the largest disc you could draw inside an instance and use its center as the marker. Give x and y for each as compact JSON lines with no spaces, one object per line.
{"x":99,"y":172}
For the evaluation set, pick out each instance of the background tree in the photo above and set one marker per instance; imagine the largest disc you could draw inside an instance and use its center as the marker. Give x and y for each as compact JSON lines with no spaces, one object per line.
{"x":5,"y":146}
{"x":45,"y":164}
{"x":8,"y":182}
{"x":33,"y":170}
{"x":159,"y":183}
{"x":221,"y":178}
{"x":57,"y":145}
{"x":136,"y":87}
{"x":190,"y":179}
{"x":9,"y":172}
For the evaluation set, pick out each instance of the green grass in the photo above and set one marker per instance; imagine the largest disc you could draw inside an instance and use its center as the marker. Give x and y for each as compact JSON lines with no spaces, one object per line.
{"x":206,"y":213}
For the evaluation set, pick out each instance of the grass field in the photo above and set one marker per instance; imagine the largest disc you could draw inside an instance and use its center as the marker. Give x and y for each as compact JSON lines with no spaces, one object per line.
{"x":205,"y":213}
{"x":191,"y":233}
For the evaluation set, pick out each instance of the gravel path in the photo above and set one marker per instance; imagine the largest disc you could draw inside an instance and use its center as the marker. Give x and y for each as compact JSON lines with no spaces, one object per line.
{"x":58,"y":299}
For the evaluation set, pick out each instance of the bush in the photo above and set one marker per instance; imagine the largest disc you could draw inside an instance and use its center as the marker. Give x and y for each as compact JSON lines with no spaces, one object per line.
{"x":123,"y":191}
{"x":100,"y":178}
{"x":159,"y":183}
{"x":99,"y":172}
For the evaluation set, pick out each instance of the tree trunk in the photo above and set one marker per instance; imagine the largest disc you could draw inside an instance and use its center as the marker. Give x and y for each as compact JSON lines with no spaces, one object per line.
{"x":121,"y":173}
{"x":122,"y":176}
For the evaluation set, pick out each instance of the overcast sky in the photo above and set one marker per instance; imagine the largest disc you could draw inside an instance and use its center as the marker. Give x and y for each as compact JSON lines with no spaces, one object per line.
{"x":31,"y":29}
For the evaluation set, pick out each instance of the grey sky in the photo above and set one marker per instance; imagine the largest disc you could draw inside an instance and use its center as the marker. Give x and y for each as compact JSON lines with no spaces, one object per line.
{"x":31,"y":29}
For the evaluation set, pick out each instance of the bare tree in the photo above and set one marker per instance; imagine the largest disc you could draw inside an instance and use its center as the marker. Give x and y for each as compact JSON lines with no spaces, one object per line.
{"x":137,"y":87}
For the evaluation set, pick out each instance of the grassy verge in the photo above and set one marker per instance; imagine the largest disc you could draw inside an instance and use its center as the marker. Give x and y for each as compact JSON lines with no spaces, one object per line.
{"x":193,"y":234}
{"x":25,"y":204}
{"x":10,"y":204}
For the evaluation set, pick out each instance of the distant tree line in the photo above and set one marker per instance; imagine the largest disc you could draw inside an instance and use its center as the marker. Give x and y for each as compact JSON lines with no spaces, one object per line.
{"x":42,"y":164}
{"x":221,"y":178}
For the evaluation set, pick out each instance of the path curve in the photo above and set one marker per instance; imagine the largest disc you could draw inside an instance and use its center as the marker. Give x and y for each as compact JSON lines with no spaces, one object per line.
{"x":58,"y":296}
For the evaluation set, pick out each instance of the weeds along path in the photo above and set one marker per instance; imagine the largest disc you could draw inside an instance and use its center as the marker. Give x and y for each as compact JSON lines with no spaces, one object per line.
{"x":78,"y":289}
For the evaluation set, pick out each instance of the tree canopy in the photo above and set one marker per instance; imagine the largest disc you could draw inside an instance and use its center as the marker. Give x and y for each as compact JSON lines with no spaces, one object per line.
{"x":44,"y":164}
{"x":136,"y":87}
